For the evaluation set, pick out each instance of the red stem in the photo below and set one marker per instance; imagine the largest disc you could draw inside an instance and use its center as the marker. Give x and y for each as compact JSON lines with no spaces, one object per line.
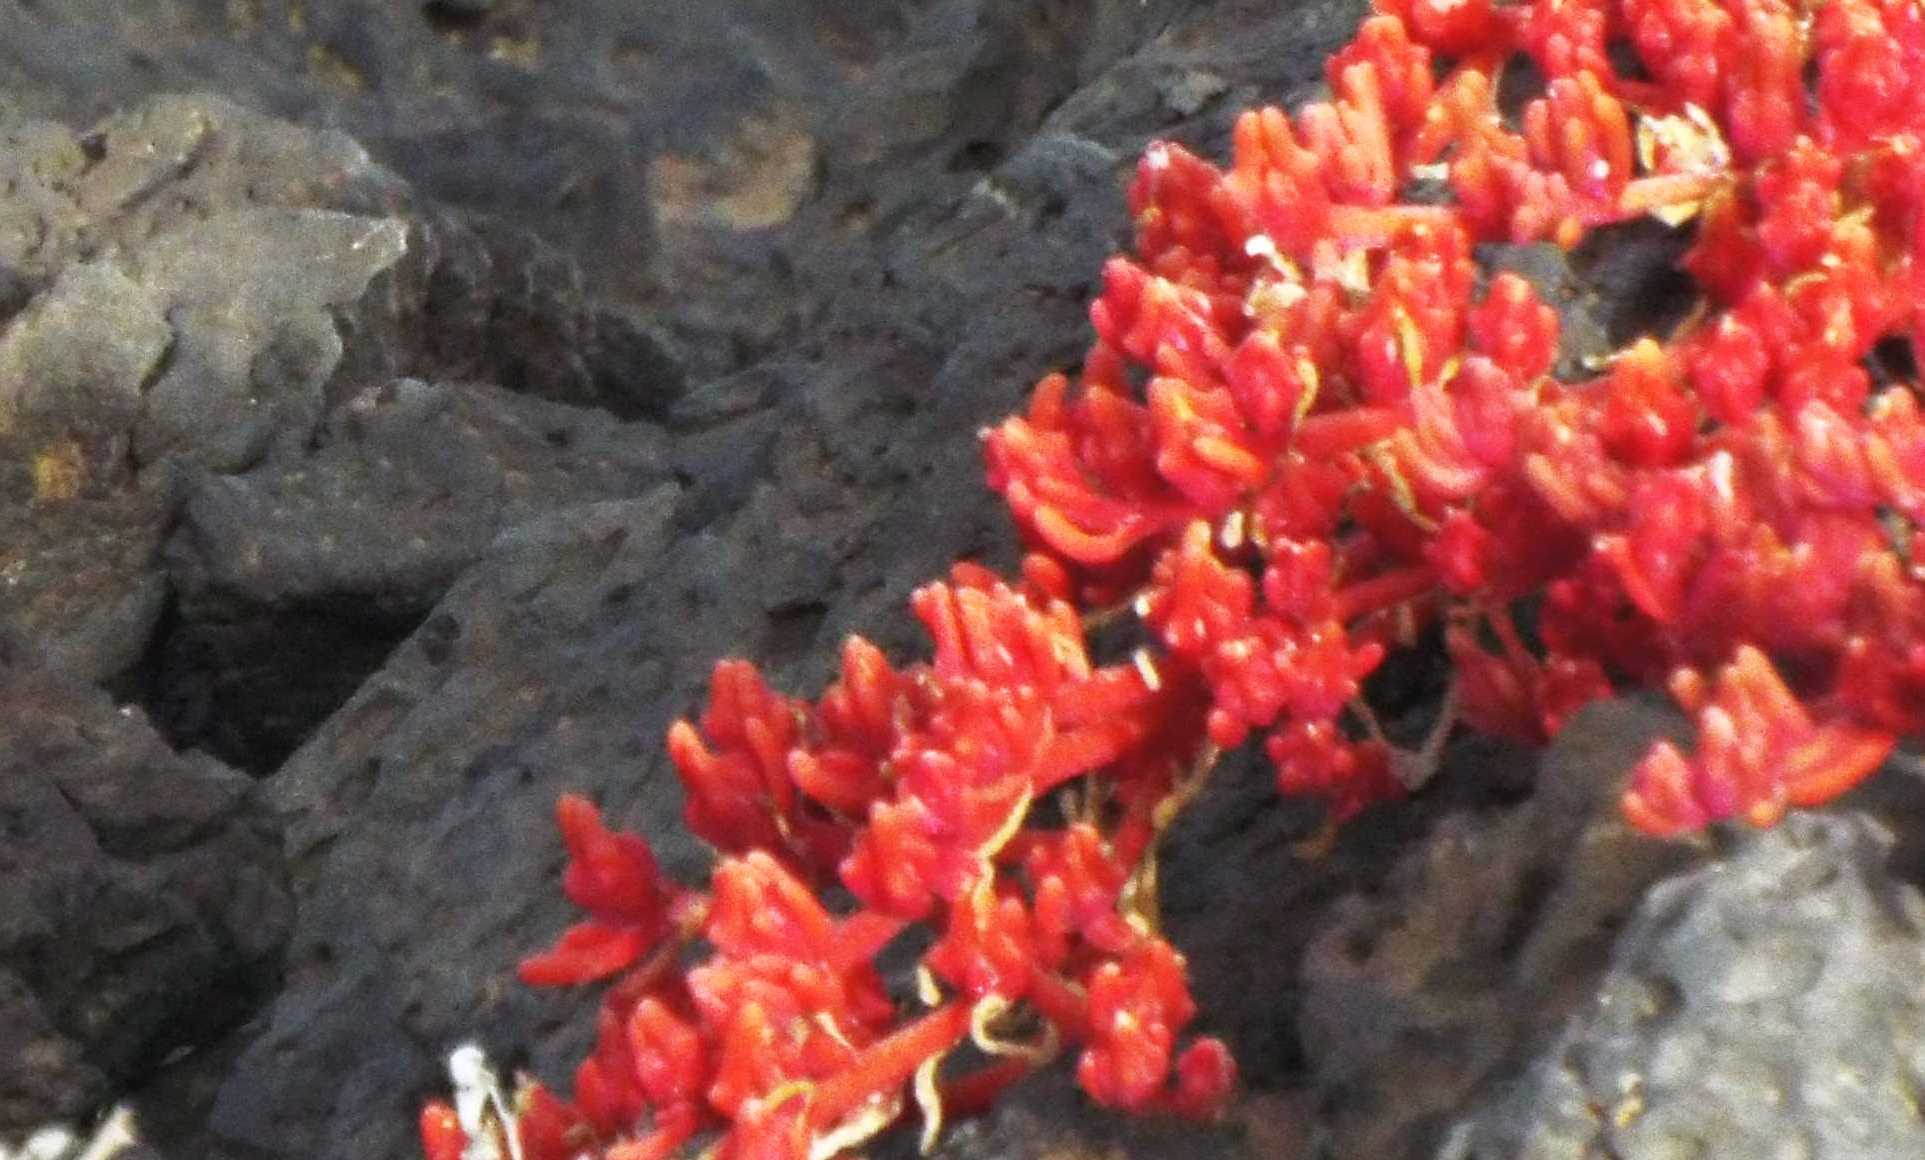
{"x":1059,"y":1002}
{"x":1385,"y":591}
{"x":888,"y":1062}
{"x":862,"y":935}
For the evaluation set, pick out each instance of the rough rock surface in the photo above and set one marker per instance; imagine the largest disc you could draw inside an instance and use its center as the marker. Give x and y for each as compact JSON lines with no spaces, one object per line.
{"x":201,"y":286}
{"x":1477,"y":945}
{"x":1767,"y":1005}
{"x":410,"y":426}
{"x":402,"y":489}
{"x":145,"y":908}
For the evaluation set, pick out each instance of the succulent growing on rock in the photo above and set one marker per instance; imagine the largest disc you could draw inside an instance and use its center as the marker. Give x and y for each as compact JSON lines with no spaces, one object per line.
{"x":1306,"y":428}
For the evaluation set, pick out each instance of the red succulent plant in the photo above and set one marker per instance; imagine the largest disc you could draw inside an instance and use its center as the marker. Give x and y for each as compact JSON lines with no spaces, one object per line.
{"x":1307,"y":427}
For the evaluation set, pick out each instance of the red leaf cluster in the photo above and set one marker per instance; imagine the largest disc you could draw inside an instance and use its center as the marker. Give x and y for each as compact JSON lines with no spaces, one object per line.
{"x":1307,"y":428}
{"x":1343,"y":437}
{"x":753,"y":1013}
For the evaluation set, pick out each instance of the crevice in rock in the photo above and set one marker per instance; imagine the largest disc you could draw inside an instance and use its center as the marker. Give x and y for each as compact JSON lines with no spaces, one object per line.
{"x":251,"y":685}
{"x":454,"y":16}
{"x":1650,"y":293}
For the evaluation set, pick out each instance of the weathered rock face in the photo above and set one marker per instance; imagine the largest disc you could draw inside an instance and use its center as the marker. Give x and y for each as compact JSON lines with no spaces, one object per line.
{"x":1764,"y":1006}
{"x":226,"y":502}
{"x":203,"y":288}
{"x":146,"y":904}
{"x":1477,"y":945}
{"x":412,"y":424}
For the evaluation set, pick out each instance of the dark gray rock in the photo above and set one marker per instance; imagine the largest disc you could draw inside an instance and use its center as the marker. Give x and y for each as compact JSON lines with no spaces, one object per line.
{"x":203,"y":285}
{"x":462,"y":8}
{"x":139,"y":177}
{"x":1048,"y":1116}
{"x":144,"y":911}
{"x":295,"y":580}
{"x":1477,"y":946}
{"x":1764,"y":1005}
{"x":420,"y":828}
{"x":50,"y":1074}
{"x":279,"y":271}
{"x":405,"y":487}
{"x":85,"y":589}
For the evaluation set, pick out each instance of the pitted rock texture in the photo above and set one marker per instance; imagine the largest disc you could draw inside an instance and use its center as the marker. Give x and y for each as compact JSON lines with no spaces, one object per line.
{"x":1476,"y":946}
{"x":415,"y":838}
{"x":403,"y":489}
{"x":211,"y":304}
{"x":145,"y":910}
{"x":1765,"y":1005}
